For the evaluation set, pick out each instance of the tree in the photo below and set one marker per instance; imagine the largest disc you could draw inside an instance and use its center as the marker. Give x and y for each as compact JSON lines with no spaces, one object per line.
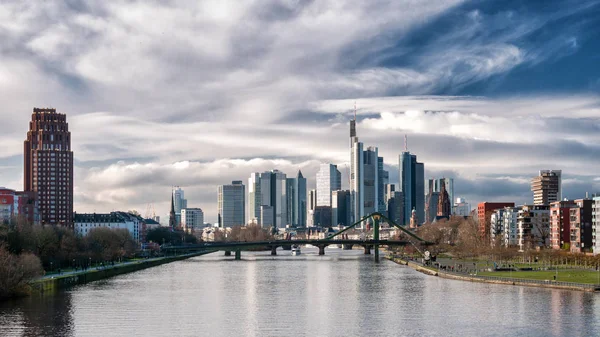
{"x":15,"y":271}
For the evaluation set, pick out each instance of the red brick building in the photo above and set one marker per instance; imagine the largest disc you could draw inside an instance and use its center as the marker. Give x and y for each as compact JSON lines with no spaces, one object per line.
{"x":560,"y":224}
{"x":15,"y":204}
{"x":48,"y":166}
{"x":484,"y":214}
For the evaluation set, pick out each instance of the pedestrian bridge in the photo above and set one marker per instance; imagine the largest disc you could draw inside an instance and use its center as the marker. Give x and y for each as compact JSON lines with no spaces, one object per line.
{"x":335,"y":239}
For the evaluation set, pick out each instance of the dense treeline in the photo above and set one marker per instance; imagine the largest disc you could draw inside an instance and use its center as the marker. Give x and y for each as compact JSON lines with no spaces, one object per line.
{"x":27,"y":250}
{"x":59,"y":247}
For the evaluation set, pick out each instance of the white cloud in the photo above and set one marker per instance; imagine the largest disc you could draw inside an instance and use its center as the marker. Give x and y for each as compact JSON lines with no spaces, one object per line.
{"x":188,"y":93}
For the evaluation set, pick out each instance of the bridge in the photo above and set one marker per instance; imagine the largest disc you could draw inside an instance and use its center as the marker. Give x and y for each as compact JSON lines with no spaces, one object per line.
{"x":336,"y":238}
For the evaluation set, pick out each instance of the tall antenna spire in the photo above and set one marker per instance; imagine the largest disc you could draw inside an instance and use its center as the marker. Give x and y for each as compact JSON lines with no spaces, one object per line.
{"x":405,"y":143}
{"x":354,"y":110}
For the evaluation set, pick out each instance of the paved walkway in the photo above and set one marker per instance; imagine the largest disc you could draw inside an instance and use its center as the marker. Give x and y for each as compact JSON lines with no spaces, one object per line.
{"x":108,"y":266}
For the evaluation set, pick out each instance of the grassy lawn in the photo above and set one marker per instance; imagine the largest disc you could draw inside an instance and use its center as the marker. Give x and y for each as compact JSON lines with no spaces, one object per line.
{"x":577,"y":276}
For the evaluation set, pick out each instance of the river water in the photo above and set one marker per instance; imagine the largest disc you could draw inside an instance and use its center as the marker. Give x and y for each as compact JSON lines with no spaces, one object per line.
{"x":343,"y":293}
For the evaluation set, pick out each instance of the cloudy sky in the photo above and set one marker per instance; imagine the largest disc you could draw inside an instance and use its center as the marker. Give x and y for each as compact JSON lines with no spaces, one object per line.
{"x":199,"y":93}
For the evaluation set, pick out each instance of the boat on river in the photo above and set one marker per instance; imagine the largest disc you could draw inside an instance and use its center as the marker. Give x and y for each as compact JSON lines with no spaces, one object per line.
{"x":296,"y":250}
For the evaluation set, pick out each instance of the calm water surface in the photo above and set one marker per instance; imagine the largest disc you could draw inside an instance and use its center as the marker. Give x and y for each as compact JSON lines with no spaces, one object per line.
{"x":340,"y":294}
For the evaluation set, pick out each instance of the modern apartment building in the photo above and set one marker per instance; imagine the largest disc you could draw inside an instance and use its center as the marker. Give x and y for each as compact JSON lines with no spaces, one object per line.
{"x":484,"y":214}
{"x":596,"y":225}
{"x":533,"y":226}
{"x":560,"y":224}
{"x":581,"y":226}
{"x":510,"y":226}
{"x":48,"y":166}
{"x":547,"y":187}
{"x":18,"y":204}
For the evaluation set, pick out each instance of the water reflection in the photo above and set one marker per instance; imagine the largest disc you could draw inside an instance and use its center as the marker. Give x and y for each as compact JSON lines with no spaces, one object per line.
{"x":341,"y":294}
{"x":37,"y":316}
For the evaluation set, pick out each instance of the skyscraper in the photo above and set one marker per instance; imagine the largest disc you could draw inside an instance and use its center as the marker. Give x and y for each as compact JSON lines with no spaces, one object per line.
{"x":431,"y":205}
{"x":179,"y":203}
{"x":383,"y":178}
{"x":329,"y":179}
{"x":371,"y":180}
{"x":444,"y":208}
{"x":48,"y":166}
{"x":412,"y":181}
{"x":340,"y":208}
{"x":364,"y":177}
{"x":547,"y":187}
{"x":268,"y":189}
{"x":232,"y":204}
{"x":296,"y":200}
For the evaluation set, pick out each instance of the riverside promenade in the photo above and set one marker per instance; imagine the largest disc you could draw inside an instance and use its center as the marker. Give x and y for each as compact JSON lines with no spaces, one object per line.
{"x":433,"y":271}
{"x":53,"y":282}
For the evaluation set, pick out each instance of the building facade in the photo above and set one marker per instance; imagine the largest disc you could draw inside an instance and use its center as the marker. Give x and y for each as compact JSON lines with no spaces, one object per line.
{"x":383,"y":178}
{"x":509,"y":230}
{"x":268,"y":189}
{"x":231,"y":204}
{"x":581,"y":226}
{"x":370,"y":181}
{"x":85,"y":223}
{"x":296,"y":200}
{"x":19,"y":204}
{"x":533,"y":227}
{"x":48,"y":166}
{"x":461,"y":207}
{"x":340,"y":208}
{"x":179,"y":203}
{"x":560,"y":224}
{"x":547,"y":187}
{"x":395,"y":207}
{"x":596,"y":225}
{"x":329,"y":179}
{"x":192,"y":219}
{"x":484,"y":214}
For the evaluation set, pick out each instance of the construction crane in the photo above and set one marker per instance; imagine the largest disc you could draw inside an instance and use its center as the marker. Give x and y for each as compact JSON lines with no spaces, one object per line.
{"x":150,"y":211}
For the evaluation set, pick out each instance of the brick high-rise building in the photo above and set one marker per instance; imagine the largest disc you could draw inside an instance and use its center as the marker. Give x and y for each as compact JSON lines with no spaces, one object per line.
{"x":48,"y":167}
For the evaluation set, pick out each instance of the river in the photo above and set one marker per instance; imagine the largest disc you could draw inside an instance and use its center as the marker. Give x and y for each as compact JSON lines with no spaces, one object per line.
{"x":343,"y":293}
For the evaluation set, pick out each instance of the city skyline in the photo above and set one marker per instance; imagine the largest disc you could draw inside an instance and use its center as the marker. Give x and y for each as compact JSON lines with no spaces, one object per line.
{"x":463,"y":94}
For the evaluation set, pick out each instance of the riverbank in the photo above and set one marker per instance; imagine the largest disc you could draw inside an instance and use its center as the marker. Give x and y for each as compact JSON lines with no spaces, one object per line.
{"x":53,"y":283}
{"x":496,"y":280}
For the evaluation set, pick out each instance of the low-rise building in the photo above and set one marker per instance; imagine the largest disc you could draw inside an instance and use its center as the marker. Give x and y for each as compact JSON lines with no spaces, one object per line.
{"x":85,"y":222}
{"x":497,"y":225}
